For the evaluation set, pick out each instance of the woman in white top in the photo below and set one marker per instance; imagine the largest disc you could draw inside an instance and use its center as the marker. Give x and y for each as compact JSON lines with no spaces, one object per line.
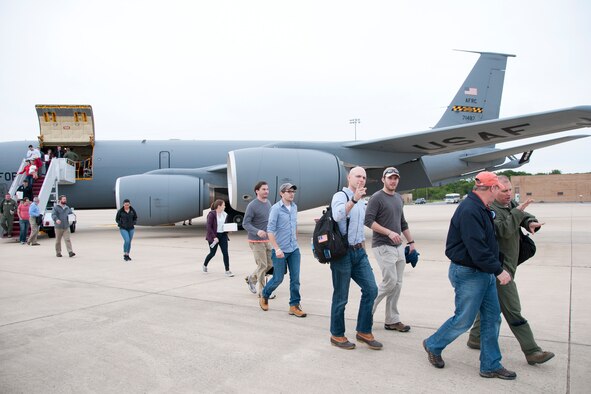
{"x":216,"y":236}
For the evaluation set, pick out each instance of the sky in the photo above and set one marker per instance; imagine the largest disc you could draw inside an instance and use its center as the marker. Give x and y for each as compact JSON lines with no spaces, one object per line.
{"x":287,"y":70}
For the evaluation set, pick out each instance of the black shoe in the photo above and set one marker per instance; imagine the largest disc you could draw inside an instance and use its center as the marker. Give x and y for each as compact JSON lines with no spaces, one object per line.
{"x":58,"y":255}
{"x":128,"y":258}
{"x":500,"y":373}
{"x":125,"y":257}
{"x":435,"y":360}
{"x":472,"y":344}
{"x":72,"y":254}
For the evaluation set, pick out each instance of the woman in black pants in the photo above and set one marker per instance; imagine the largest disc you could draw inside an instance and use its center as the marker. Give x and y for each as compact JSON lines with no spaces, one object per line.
{"x":216,"y":235}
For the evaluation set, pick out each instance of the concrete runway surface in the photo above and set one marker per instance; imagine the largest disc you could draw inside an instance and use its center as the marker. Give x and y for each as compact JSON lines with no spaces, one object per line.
{"x":94,"y":323}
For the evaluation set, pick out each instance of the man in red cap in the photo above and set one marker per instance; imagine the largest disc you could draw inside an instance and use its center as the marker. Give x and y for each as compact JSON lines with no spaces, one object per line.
{"x":474,"y":253}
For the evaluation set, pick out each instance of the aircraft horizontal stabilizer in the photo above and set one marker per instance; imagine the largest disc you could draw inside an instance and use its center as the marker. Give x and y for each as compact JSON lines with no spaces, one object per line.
{"x":500,"y":153}
{"x":481,"y":134}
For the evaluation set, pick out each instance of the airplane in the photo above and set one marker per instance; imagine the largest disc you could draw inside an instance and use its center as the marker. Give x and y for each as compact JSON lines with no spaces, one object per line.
{"x":171,"y":180}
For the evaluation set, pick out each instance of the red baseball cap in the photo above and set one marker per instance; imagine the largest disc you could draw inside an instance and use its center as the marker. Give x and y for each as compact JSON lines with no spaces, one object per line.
{"x":486,"y":178}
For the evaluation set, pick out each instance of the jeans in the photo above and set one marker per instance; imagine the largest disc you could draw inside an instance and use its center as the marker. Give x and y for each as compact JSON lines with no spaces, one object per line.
{"x":476,"y":291}
{"x":24,"y":226}
{"x":127,"y":237}
{"x":291,"y":261}
{"x":223,"y":244}
{"x":354,"y":265}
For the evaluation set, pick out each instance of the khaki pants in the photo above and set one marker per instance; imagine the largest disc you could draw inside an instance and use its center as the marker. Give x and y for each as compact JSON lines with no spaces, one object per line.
{"x":392,"y":262}
{"x":34,"y":230}
{"x":262,"y":256}
{"x":59,"y":233}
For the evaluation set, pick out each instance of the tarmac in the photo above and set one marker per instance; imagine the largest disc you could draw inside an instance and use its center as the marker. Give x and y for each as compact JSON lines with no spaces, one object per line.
{"x":96,"y":324}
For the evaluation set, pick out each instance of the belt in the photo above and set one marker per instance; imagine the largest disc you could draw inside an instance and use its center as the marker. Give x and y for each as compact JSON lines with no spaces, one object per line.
{"x":357,"y":246}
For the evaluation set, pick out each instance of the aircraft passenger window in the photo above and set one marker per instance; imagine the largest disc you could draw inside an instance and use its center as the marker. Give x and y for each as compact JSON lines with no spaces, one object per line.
{"x":560,"y":193}
{"x":80,"y":116}
{"x":49,"y":116}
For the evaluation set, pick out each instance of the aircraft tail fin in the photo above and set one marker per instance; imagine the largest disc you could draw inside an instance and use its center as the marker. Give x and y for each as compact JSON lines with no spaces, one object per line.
{"x":479,"y":97}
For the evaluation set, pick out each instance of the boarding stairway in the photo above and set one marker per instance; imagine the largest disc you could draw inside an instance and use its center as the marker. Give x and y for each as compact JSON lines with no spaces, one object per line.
{"x":60,"y":172}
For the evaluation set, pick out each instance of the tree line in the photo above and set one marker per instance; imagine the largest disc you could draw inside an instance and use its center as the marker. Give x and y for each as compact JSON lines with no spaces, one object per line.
{"x":463,"y":186}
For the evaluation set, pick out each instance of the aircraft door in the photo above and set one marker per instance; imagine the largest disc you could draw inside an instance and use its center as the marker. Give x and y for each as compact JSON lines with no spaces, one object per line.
{"x":164,"y":159}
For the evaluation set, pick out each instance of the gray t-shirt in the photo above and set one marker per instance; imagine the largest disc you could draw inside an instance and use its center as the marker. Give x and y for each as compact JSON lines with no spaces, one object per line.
{"x":256,"y":218}
{"x":386,"y":210}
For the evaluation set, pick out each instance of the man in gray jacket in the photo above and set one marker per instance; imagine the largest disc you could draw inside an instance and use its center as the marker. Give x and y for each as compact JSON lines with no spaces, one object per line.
{"x":62,"y":226}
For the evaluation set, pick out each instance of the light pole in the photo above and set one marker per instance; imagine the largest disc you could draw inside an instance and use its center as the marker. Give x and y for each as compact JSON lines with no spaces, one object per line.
{"x":354,"y":122}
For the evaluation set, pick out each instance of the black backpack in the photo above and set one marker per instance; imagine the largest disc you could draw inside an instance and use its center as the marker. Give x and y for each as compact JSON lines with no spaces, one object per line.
{"x":328,"y":243}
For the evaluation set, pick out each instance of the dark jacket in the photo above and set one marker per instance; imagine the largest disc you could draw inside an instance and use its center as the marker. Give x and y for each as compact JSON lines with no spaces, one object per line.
{"x":471,"y":240}
{"x":126,"y":220}
{"x":212,"y":226}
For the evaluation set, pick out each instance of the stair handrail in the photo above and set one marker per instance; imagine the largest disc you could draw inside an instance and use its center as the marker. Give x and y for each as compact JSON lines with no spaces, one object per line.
{"x":51,"y":179}
{"x":18,"y":179}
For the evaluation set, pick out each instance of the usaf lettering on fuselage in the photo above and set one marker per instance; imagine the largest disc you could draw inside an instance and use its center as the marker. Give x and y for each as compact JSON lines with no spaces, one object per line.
{"x":484,"y":136}
{"x":7,"y":176}
{"x":471,"y":101}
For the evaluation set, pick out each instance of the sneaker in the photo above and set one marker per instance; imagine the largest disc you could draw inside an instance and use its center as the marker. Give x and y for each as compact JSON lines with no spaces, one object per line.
{"x":22,"y":243}
{"x":264,"y":303}
{"x":35,"y":244}
{"x":251,"y":284}
{"x":71,"y":254}
{"x":229,"y":274}
{"x":538,"y":357}
{"x":434,"y":359}
{"x":342,"y":343}
{"x":472,"y":344}
{"x":297,"y":311}
{"x":58,"y":255}
{"x":128,"y":258}
{"x":369,"y":340}
{"x":500,"y":373}
{"x":125,"y":257}
{"x":397,"y":327}
{"x":204,"y":268}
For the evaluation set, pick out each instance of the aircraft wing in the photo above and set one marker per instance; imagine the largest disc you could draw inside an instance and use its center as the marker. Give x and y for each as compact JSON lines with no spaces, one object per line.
{"x":486,"y":133}
{"x":501,"y":153}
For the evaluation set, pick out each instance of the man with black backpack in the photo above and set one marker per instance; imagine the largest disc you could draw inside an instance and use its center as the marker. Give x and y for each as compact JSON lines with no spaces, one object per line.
{"x":348,"y":210}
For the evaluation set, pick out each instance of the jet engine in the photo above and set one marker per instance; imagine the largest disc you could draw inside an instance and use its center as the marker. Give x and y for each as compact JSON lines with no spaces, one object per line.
{"x":162,"y":199}
{"x":317,"y":175}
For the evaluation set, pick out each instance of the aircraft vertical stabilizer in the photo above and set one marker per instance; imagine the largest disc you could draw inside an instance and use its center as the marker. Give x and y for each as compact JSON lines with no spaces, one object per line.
{"x":479,"y":97}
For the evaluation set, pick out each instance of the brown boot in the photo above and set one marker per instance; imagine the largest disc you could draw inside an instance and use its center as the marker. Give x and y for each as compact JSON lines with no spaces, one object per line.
{"x":538,"y":357}
{"x":297,"y":311}
{"x":342,"y":343}
{"x":264,"y":303}
{"x":369,"y":340}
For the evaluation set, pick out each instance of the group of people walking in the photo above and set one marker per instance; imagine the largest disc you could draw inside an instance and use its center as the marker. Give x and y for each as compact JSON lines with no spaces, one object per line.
{"x":482,"y":245}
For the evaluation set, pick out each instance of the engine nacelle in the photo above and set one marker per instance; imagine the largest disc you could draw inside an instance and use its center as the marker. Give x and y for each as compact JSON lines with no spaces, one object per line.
{"x":317,"y":175}
{"x":161,"y":199}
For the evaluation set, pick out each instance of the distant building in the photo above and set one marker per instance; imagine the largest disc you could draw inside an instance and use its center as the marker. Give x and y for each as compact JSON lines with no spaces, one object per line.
{"x":553,"y":188}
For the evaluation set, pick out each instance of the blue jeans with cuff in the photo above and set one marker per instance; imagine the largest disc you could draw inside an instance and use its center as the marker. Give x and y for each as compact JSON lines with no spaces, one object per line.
{"x":291,"y":261}
{"x":354,"y":265}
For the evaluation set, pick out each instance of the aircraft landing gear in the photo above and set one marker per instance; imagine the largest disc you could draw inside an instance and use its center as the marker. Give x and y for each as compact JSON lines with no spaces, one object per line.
{"x":235,"y":216}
